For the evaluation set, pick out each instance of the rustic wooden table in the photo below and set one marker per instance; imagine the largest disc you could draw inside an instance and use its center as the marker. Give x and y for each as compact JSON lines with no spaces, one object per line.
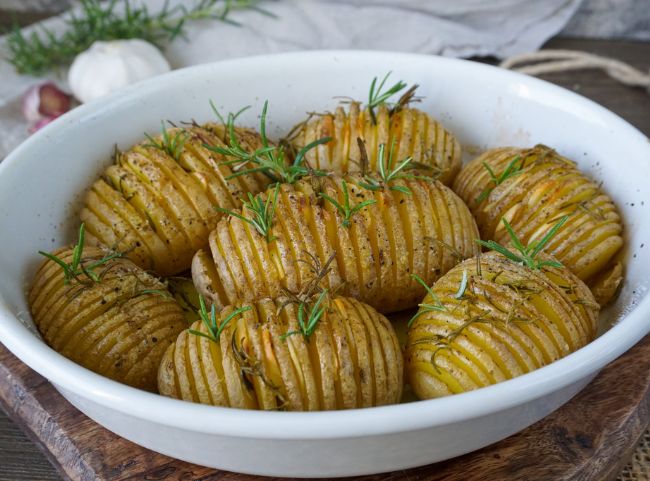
{"x":20,"y":460}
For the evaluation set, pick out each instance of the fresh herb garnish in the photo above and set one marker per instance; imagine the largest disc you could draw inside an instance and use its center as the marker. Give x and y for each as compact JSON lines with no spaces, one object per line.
{"x":76,"y":268}
{"x":390,"y":170}
{"x":210,"y":320}
{"x":526,"y":255}
{"x":511,"y":170}
{"x":233,"y":148}
{"x":155,"y":292}
{"x":170,"y":145}
{"x":462,"y":287}
{"x":43,"y":50}
{"x":345,"y":210}
{"x":424,"y":308}
{"x":376,"y":97}
{"x":308,"y":289}
{"x":263,"y":212}
{"x":307,"y":326}
{"x":270,"y":160}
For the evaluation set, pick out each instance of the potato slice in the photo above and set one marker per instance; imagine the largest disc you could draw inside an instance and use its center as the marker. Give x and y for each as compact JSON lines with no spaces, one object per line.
{"x":415,"y":134}
{"x":538,"y":187}
{"x":352,"y":359}
{"x":494,"y":322}
{"x":118,"y":326}
{"x":158,"y":206}
{"x":424,"y":231}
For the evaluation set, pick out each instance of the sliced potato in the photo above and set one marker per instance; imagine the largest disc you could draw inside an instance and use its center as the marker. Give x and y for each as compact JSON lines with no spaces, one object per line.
{"x":118,"y":327}
{"x":415,"y":134}
{"x":496,"y":322}
{"x":542,"y":187}
{"x":158,"y":206}
{"x":373,"y":252}
{"x":351,"y":360}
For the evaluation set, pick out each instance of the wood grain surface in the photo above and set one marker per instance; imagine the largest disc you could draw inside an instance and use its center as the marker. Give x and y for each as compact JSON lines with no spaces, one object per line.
{"x":590,"y":438}
{"x":559,"y":441}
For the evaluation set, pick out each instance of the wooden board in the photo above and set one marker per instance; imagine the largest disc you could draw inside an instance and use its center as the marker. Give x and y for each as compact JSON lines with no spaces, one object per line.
{"x":590,"y":438}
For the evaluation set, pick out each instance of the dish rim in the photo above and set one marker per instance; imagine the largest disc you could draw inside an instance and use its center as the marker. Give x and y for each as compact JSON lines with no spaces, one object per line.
{"x":69,"y":376}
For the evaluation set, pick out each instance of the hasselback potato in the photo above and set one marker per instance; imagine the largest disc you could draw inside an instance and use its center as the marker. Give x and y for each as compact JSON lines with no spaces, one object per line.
{"x":412,"y":226}
{"x":534,"y":187}
{"x":116,"y":320}
{"x":157,"y":201}
{"x":486,"y":324}
{"x":413,"y":132}
{"x":351,"y":359}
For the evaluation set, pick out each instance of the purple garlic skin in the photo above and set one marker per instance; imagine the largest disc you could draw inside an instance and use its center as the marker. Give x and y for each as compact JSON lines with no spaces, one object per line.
{"x":43,"y":103}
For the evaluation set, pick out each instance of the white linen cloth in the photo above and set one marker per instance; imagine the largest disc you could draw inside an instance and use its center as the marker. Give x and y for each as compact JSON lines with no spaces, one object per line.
{"x":458,"y":28}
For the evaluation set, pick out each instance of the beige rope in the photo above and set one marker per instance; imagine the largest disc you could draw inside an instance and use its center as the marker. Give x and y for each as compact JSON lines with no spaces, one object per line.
{"x":549,"y":61}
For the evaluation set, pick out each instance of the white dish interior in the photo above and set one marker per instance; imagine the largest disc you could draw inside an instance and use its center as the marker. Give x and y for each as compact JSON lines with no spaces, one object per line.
{"x":42,"y":181}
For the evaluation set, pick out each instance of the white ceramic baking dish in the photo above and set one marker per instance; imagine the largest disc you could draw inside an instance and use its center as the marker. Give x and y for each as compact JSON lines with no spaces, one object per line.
{"x":41,"y":182}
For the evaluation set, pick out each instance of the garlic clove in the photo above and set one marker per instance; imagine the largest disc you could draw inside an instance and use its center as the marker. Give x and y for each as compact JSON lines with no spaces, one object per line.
{"x":45,"y":100}
{"x":108,"y":66}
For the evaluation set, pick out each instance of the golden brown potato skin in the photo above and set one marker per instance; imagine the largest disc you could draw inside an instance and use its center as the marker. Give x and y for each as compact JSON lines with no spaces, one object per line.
{"x":415,"y":133}
{"x":549,"y":187}
{"x":160,"y":210}
{"x":112,"y":327}
{"x":510,"y":321}
{"x":352,"y":360}
{"x":425,"y":233}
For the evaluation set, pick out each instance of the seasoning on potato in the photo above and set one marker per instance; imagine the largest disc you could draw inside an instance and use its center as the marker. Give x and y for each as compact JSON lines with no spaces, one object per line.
{"x":532,"y":188}
{"x":103,"y":312}
{"x":495,"y":317}
{"x":323,"y":353}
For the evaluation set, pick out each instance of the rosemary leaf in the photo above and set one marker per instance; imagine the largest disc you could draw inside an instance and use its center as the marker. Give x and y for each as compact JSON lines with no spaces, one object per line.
{"x":424,"y":308}
{"x":462,"y":287}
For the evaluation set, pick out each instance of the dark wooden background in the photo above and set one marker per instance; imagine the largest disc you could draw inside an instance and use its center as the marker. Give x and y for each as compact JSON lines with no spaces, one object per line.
{"x":20,"y":460}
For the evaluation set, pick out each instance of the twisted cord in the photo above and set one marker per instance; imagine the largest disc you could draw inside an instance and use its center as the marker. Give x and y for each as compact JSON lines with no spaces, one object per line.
{"x":550,"y":61}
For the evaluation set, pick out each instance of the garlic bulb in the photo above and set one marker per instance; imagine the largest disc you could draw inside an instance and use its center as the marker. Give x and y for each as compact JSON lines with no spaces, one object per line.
{"x":107,"y":66}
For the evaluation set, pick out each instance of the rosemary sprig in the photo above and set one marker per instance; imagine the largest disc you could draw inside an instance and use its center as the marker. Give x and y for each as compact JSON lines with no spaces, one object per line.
{"x":271,"y":160}
{"x":424,"y":308}
{"x":307,"y":326}
{"x":170,"y":145}
{"x":319,"y":271}
{"x":210,"y":320}
{"x":76,"y":268}
{"x":390,"y":170}
{"x":43,"y":50}
{"x":376,"y":97}
{"x":234,"y":149}
{"x":526,"y":255}
{"x":263,"y":212}
{"x":345,"y":210}
{"x":511,"y":170}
